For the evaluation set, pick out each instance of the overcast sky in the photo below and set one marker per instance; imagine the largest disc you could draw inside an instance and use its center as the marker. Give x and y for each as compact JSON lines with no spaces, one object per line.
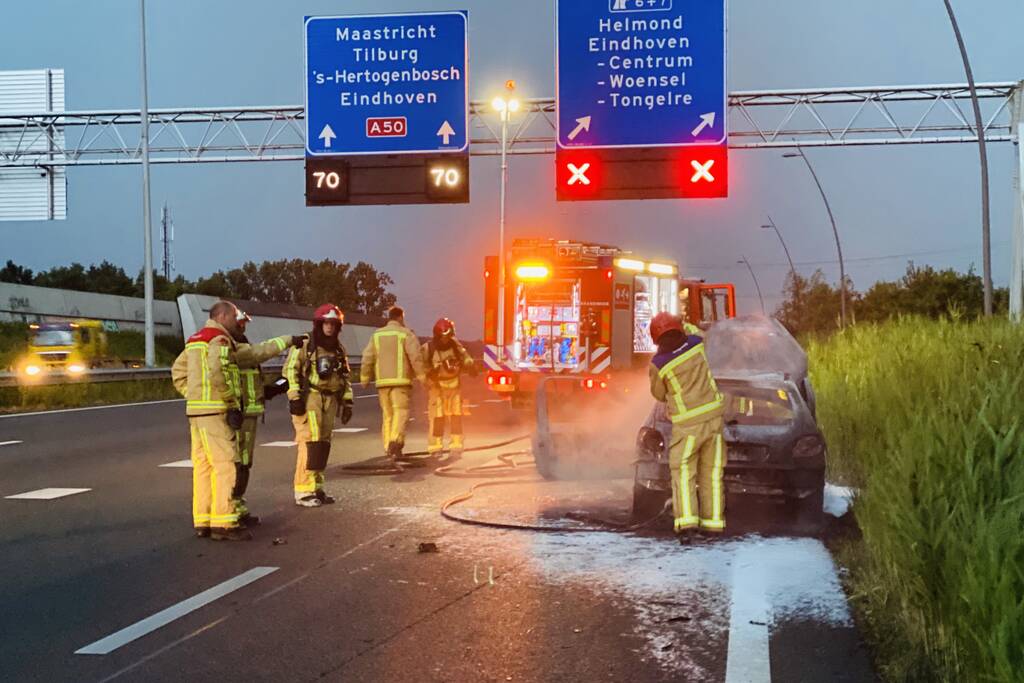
{"x":920,"y":200}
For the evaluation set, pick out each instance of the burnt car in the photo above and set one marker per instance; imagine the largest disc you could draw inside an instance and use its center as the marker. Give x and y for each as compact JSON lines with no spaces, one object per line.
{"x":775,"y":450}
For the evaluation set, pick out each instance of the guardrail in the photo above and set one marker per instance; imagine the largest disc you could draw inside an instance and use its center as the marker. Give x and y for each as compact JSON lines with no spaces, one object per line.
{"x":10,"y":379}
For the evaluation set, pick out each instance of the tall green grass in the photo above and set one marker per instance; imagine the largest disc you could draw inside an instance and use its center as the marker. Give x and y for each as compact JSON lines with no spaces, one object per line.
{"x":75,"y":395}
{"x":927,"y":419}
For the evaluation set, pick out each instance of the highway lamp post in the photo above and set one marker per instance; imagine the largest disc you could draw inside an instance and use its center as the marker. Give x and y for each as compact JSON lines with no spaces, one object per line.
{"x":147,"y":227}
{"x":757,"y":285}
{"x":986,"y":233}
{"x":835,"y":231}
{"x":792,"y":269}
{"x":505,"y":106}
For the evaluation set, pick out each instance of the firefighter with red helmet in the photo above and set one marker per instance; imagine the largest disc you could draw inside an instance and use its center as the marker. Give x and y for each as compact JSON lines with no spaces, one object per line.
{"x":680,"y":376}
{"x":318,"y":390}
{"x":446,"y":360}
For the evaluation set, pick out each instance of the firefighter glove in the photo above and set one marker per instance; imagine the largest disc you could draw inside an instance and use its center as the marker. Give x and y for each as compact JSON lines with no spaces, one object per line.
{"x":297,"y":406}
{"x":298,"y":340}
{"x":346,"y":412}
{"x":235,"y":418}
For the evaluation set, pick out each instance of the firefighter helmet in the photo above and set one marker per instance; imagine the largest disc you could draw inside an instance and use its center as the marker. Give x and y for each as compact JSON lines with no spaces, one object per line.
{"x":444,"y":328}
{"x":329,"y":312}
{"x":665,"y":322}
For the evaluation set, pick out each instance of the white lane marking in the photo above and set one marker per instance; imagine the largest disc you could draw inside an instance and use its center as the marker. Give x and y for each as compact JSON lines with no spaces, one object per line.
{"x":278,"y":444}
{"x":10,"y":443}
{"x":350,"y":430}
{"x":178,"y":463}
{"x":748,"y":659}
{"x":494,"y":400}
{"x":46,"y":494}
{"x":367,"y":396}
{"x":79,"y":410}
{"x":160,"y":619}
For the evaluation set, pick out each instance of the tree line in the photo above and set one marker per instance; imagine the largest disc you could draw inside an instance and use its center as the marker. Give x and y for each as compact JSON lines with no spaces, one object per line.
{"x":360,"y":288}
{"x":811,"y":304}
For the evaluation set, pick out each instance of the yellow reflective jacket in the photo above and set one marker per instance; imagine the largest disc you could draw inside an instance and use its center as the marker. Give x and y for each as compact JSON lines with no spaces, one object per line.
{"x":248,"y":357}
{"x":682,"y":379}
{"x":206,"y":373}
{"x":392,"y":357}
{"x":302,"y":363}
{"x":441,"y":374}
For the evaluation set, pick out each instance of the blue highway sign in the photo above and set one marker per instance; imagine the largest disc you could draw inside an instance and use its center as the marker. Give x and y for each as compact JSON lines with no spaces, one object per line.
{"x":641,"y":73}
{"x":387,"y":84}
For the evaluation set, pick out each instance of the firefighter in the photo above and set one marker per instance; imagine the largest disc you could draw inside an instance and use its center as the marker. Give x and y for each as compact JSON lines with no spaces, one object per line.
{"x":445,"y":359}
{"x":319,"y":389}
{"x":680,"y":377}
{"x":206,"y":374}
{"x":392,"y":358}
{"x":254,"y":394}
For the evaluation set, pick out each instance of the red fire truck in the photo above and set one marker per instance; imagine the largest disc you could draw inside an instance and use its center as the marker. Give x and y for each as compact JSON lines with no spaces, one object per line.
{"x":582,"y":309}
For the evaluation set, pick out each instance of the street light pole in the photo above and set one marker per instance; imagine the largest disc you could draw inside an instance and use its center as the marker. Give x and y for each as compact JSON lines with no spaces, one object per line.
{"x":835,"y":232}
{"x":771,"y":225}
{"x":501,"y":235}
{"x":757,"y":285}
{"x":147,"y":226}
{"x":986,"y":234}
{"x":505,"y":106}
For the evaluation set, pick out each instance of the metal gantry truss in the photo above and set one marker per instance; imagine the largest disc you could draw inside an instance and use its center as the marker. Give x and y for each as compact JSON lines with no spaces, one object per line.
{"x":916,"y":114}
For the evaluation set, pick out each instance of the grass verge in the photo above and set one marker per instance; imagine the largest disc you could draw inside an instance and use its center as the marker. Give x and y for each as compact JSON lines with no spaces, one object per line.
{"x":924,"y":418}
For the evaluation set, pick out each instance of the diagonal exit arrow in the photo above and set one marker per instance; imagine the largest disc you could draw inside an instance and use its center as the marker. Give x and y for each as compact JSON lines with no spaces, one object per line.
{"x":327,"y":134}
{"x":706,"y":120}
{"x":582,"y":124}
{"x":446,"y":132}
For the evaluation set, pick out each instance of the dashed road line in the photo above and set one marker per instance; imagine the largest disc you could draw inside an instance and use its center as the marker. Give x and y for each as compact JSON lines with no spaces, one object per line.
{"x":160,"y":619}
{"x":10,"y":443}
{"x":748,"y":659}
{"x":46,"y":494}
{"x":178,"y":463}
{"x":350,"y":430}
{"x":367,"y":396}
{"x":277,"y":444}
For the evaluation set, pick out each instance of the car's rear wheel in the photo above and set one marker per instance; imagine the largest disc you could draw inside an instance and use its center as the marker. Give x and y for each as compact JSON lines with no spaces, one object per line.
{"x":647,"y":504}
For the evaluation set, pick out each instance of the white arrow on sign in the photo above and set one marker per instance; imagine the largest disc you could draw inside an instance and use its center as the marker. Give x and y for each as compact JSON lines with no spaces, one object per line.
{"x":582,"y":124}
{"x":446,"y":131}
{"x":327,"y":134}
{"x":706,"y":120}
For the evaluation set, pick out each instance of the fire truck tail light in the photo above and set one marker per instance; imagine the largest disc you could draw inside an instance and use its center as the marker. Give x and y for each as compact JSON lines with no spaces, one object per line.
{"x":630,"y":264}
{"x":532,"y":271}
{"x":501,"y":379}
{"x":661,"y":268}
{"x":591,"y":383}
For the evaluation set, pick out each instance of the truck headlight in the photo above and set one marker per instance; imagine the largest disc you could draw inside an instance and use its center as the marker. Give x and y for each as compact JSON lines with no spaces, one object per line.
{"x":32,"y":370}
{"x":76,"y":369}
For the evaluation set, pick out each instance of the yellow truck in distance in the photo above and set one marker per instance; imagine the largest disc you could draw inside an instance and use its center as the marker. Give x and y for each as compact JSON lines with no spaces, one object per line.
{"x":68,"y":348}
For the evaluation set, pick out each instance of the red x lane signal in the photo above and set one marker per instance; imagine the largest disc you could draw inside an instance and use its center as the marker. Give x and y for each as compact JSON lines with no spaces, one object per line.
{"x":640,"y":173}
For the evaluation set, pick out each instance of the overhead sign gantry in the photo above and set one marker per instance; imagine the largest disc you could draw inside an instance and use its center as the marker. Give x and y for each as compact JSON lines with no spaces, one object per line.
{"x":641,"y":99}
{"x":387,"y":109}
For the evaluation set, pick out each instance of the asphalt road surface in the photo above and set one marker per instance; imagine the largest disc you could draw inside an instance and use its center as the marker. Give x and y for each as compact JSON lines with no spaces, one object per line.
{"x":107,"y":583}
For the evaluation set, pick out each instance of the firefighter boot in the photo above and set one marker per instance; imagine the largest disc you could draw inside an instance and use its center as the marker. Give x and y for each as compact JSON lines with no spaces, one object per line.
{"x":234,"y":533}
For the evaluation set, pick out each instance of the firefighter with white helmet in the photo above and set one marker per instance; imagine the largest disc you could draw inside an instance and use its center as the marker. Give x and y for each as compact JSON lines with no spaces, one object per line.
{"x":318,"y":390}
{"x":680,"y":376}
{"x":254,"y":396}
{"x":446,"y":360}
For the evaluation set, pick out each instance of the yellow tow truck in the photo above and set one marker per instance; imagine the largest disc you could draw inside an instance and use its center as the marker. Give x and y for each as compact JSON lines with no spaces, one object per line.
{"x":67,"y":348}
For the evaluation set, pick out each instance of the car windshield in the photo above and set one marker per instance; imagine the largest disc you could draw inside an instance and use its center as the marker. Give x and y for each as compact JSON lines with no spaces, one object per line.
{"x":52,"y":338}
{"x":747,"y":405}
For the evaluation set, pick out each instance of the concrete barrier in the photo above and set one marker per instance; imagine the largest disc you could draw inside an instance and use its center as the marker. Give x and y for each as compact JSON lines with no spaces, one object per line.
{"x":29,"y":304}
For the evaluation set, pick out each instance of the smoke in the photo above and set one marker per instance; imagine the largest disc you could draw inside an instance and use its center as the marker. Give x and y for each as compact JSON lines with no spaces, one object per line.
{"x":754,"y":345}
{"x":592,"y":434}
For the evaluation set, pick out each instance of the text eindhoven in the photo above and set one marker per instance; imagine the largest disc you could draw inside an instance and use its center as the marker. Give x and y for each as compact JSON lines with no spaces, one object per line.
{"x":638,"y":67}
{"x":372,"y":54}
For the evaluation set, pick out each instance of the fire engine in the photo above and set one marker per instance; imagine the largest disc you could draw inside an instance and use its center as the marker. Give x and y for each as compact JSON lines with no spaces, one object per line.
{"x":582,"y":309}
